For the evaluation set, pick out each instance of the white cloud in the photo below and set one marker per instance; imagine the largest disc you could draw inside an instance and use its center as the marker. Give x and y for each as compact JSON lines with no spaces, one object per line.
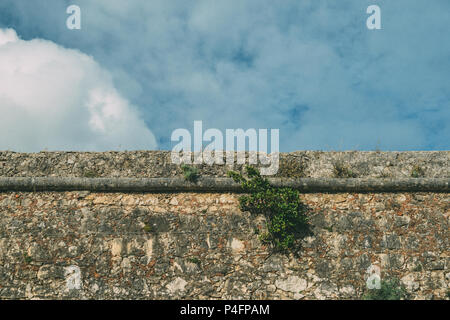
{"x":54,"y":98}
{"x":310,"y":68}
{"x":8,"y":35}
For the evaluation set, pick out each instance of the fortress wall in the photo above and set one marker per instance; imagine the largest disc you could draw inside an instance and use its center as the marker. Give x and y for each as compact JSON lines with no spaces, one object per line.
{"x":196,"y":245}
{"x":201,"y":246}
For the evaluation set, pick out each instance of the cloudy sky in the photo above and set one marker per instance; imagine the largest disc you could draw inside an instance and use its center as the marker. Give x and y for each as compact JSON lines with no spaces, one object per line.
{"x":137,"y":70}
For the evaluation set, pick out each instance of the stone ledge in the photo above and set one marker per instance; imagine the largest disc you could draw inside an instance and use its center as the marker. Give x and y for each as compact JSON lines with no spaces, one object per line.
{"x":220,"y":185}
{"x":158,"y":164}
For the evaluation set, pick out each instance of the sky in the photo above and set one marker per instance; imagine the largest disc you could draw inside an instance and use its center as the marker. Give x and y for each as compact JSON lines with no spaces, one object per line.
{"x":137,"y":70}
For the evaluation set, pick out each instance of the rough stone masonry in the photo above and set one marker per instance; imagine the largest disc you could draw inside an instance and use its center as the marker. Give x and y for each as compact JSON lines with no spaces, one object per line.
{"x":185,"y":245}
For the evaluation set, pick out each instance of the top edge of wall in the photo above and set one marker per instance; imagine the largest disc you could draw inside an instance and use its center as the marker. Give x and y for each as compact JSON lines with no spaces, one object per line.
{"x":299,"y":164}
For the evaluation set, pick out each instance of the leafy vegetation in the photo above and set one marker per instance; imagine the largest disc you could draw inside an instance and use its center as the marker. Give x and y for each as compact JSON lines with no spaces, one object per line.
{"x":194,"y":260}
{"x":417,"y":172}
{"x":90,"y":174}
{"x":27,"y":258}
{"x":391,"y":289}
{"x":340,"y":170}
{"x":418,"y":268}
{"x":190,"y":173}
{"x":148,"y":228}
{"x":285,"y":214}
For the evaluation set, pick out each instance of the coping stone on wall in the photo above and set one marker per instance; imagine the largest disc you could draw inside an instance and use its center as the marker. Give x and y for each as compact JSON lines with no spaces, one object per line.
{"x":213,"y":184}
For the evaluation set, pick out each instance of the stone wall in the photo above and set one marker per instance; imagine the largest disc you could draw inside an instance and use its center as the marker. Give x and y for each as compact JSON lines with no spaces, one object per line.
{"x":185,"y":245}
{"x":152,"y":164}
{"x":85,"y":245}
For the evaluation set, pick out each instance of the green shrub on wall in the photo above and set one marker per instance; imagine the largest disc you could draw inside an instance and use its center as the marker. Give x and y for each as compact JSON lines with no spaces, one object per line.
{"x":391,"y":289}
{"x":190,"y":173}
{"x":285,"y":213}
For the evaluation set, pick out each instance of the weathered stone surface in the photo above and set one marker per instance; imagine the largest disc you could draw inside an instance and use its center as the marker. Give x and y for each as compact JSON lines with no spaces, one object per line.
{"x":292,"y":284}
{"x":149,"y":246}
{"x":149,"y":164}
{"x":185,"y":245}
{"x":219,"y":185}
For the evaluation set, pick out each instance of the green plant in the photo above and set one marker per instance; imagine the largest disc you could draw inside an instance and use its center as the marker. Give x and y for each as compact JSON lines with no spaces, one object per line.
{"x":285,"y":213}
{"x":340,"y":170}
{"x":90,"y":174}
{"x":190,"y":173}
{"x":27,"y":258}
{"x":417,"y":172}
{"x":148,"y":228}
{"x":194,"y":260}
{"x":418,"y":268}
{"x":391,"y":289}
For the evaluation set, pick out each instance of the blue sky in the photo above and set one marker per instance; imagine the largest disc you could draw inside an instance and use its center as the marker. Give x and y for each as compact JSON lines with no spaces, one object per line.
{"x":309,"y":68}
